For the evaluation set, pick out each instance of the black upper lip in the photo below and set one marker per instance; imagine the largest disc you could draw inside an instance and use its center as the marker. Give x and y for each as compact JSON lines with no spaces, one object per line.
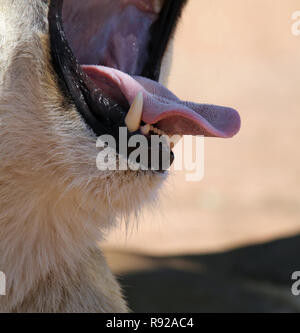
{"x":103,"y":115}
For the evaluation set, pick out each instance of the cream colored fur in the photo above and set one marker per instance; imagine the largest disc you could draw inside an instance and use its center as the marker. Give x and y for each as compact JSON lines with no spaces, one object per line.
{"x":55,"y":206}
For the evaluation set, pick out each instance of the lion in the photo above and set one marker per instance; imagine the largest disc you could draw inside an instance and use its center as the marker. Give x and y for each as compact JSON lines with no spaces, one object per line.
{"x":70,"y":72}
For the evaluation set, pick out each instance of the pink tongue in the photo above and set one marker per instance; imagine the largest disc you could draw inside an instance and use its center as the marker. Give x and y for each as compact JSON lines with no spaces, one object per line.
{"x":163,"y":108}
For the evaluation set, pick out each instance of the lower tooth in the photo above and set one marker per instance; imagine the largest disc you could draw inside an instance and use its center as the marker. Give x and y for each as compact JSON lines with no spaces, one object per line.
{"x":145,"y":129}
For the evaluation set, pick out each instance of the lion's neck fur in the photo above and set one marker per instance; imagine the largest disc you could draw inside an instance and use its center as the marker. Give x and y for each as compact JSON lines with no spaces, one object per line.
{"x":50,"y":252}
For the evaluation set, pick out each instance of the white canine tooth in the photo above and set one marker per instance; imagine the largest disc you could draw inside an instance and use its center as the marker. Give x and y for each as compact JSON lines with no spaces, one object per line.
{"x":134,"y":116}
{"x":145,"y":129}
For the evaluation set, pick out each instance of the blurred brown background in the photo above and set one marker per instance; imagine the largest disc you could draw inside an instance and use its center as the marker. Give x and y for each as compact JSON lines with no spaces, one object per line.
{"x":229,"y":242}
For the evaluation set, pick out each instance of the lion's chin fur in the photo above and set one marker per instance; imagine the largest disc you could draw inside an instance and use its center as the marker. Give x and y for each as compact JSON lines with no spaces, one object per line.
{"x":55,"y":205}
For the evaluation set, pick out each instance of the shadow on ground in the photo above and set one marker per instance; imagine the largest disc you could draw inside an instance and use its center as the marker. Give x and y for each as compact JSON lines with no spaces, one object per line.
{"x":251,"y":279}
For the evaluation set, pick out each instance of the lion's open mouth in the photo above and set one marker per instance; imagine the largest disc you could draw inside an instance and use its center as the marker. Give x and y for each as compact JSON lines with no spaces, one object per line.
{"x":108,"y":52}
